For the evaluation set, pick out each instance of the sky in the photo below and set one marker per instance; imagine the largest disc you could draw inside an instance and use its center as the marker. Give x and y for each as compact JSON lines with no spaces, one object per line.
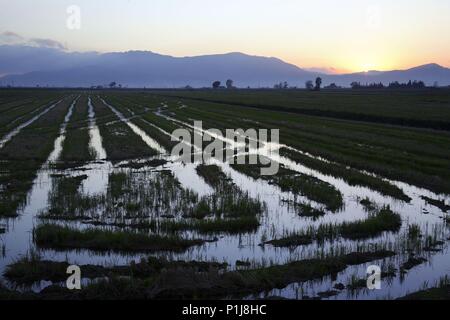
{"x":336,"y":36}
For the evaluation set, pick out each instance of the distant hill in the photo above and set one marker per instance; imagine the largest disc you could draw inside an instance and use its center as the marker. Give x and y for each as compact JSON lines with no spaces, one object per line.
{"x":31,"y":66}
{"x":428,"y":73}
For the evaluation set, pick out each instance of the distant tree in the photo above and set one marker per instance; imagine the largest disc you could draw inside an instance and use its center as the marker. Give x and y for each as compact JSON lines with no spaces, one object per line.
{"x":318,"y":83}
{"x":112,"y":84}
{"x":409,"y":85}
{"x":229,"y":84}
{"x":355,"y":85}
{"x":281,"y":85}
{"x":216,"y":84}
{"x":309,"y":85}
{"x":332,"y":86}
{"x":394,"y":85}
{"x":436,"y":84}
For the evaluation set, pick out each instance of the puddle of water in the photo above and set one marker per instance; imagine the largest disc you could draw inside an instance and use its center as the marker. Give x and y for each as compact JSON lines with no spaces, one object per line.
{"x":96,"y":139}
{"x":62,"y":135}
{"x":424,"y":275}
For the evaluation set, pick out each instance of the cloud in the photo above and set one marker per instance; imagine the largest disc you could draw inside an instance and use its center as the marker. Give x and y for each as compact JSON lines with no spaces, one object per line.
{"x":12,"y":38}
{"x":11,"y":34}
{"x":47,"y":43}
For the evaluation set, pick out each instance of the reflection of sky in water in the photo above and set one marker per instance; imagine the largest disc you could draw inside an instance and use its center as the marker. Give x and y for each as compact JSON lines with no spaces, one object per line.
{"x":278,"y":219}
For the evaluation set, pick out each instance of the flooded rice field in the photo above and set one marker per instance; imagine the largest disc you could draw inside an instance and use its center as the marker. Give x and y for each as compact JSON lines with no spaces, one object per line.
{"x":112,"y":211}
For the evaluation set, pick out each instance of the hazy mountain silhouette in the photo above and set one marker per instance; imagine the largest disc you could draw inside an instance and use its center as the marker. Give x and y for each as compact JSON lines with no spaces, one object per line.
{"x":428,"y":73}
{"x":31,"y":66}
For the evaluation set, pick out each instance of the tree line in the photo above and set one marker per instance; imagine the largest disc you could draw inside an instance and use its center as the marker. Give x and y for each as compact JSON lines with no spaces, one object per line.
{"x":393,"y":85}
{"x":317,"y":85}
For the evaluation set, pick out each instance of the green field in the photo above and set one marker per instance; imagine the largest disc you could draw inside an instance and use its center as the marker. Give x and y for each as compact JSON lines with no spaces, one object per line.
{"x":88,"y":176}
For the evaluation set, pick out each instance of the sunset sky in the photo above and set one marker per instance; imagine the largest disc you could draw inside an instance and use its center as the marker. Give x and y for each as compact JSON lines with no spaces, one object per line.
{"x":347,"y":35}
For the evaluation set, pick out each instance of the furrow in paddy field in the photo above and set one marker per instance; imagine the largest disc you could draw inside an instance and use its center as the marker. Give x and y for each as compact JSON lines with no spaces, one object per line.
{"x":8,"y":106}
{"x":20,"y":113}
{"x":118,"y":139}
{"x":76,"y":148}
{"x":21,"y":118}
{"x":155,"y":127}
{"x":14,"y":132}
{"x":95,"y":143}
{"x":10,"y":100}
{"x":138,"y":131}
{"x":24,"y":155}
{"x":22,"y":105}
{"x":163,"y":137}
{"x":11,"y":103}
{"x":59,"y":142}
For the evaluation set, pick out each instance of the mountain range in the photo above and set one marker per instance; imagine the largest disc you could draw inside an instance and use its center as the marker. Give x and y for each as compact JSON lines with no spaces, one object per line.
{"x":31,"y":66}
